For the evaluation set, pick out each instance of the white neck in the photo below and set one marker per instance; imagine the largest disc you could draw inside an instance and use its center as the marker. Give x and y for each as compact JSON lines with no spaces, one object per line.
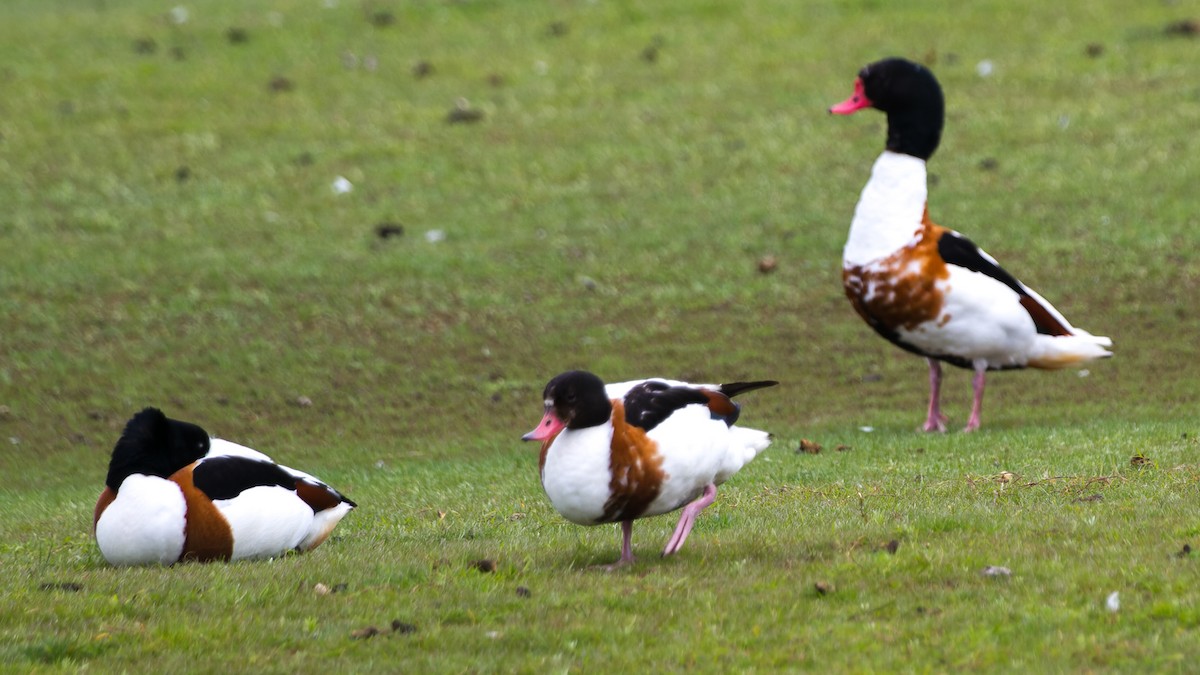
{"x":890,"y":210}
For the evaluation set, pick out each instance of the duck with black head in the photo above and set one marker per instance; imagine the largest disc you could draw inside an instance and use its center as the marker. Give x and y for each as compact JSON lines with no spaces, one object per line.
{"x":928,"y":289}
{"x":615,"y":453}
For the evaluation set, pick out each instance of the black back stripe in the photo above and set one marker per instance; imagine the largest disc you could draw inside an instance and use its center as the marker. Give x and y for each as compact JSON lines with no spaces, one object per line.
{"x":226,"y":477}
{"x":649,"y":403}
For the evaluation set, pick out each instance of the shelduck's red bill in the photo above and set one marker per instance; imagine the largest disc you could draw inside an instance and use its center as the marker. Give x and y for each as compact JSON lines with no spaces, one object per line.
{"x":857,"y":101}
{"x":547,"y":428}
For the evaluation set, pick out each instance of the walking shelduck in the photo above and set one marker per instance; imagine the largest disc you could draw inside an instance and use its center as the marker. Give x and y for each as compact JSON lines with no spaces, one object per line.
{"x":616,"y":453}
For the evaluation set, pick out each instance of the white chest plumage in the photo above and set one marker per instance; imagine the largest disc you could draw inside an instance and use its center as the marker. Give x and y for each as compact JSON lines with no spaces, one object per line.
{"x":577,"y":474}
{"x":144,"y":524}
{"x":889,"y":211}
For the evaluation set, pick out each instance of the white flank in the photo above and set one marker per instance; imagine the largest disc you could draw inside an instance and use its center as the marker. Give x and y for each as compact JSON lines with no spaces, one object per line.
{"x":266,"y":521}
{"x":698,"y":450}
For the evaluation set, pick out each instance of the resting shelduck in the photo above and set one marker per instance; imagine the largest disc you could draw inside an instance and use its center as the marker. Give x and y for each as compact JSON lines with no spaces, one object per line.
{"x":929,"y":289}
{"x":173,"y":493}
{"x":616,"y":453}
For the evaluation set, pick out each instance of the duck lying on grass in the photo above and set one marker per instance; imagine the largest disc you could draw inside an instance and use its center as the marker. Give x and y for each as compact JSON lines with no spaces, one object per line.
{"x":173,"y":493}
{"x":616,"y":453}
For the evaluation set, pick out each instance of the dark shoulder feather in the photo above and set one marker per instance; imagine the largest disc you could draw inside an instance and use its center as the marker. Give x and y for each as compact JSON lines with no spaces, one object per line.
{"x":227,"y":476}
{"x":649,"y":403}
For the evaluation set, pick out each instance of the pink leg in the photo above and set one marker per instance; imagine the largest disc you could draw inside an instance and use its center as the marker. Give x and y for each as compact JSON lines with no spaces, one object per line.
{"x":977,"y":406}
{"x":688,"y":518}
{"x":626,"y":547}
{"x":935,"y":420}
{"x":626,"y":542}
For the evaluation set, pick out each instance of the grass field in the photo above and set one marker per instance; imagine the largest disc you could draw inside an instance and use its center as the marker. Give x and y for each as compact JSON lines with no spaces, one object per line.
{"x":592,"y":184}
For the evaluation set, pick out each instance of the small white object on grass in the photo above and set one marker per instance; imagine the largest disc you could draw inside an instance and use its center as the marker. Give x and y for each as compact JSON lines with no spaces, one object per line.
{"x":179,"y":14}
{"x":996,"y":571}
{"x":985,"y":68}
{"x":866,"y":430}
{"x":434,"y":236}
{"x":341,"y":185}
{"x":1113,"y":603}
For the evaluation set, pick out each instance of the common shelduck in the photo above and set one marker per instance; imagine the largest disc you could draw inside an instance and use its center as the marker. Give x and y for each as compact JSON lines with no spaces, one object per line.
{"x":173,"y":493}
{"x":616,"y":453}
{"x":929,"y":289}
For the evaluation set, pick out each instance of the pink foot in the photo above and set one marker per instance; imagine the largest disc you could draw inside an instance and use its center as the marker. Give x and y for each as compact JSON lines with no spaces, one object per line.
{"x":935,"y":423}
{"x":626,"y":548}
{"x":688,"y":518}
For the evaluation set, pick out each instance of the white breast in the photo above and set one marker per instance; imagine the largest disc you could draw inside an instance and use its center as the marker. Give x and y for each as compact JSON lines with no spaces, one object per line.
{"x":576,"y":475}
{"x":144,"y":525}
{"x":890,"y":210}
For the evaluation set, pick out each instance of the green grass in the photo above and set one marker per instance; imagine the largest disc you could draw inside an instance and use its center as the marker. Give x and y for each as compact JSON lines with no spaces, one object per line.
{"x":169,"y":237}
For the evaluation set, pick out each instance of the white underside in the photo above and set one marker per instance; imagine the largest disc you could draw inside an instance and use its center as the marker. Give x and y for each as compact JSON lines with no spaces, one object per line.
{"x":981,"y":320}
{"x":696,"y":450}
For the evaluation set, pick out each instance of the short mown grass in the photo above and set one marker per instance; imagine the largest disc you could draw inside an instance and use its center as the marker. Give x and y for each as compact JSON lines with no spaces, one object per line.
{"x":170,"y":237}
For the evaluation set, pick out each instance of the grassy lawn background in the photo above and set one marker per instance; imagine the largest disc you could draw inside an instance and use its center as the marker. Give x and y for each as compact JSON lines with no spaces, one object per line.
{"x":170,"y":237}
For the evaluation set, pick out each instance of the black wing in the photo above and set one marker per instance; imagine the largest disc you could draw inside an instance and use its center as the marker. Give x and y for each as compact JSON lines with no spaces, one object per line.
{"x":226,"y":477}
{"x":956,"y":249}
{"x":649,"y":403}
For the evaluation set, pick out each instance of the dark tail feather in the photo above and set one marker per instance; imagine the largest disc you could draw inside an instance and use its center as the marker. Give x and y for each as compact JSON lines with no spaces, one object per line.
{"x":734,"y":388}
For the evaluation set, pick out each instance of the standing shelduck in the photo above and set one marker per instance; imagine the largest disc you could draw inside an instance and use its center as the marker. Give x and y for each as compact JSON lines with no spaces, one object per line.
{"x":929,"y":289}
{"x":616,"y":453}
{"x":173,"y":493}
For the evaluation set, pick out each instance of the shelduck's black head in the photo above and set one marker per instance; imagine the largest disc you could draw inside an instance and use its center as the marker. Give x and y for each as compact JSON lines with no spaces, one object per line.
{"x":912,"y":98}
{"x":155,"y":445}
{"x":575,"y":399}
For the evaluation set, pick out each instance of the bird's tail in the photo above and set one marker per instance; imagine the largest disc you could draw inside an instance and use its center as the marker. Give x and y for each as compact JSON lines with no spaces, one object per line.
{"x":734,"y":388}
{"x":1061,"y":351}
{"x":744,"y":445}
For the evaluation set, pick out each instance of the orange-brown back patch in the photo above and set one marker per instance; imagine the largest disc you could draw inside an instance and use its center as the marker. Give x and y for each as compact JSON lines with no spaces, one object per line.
{"x":1042,"y":318}
{"x":902,"y":288}
{"x":720,"y":404}
{"x":317,"y":497}
{"x":637,"y":473}
{"x":207,"y":535}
